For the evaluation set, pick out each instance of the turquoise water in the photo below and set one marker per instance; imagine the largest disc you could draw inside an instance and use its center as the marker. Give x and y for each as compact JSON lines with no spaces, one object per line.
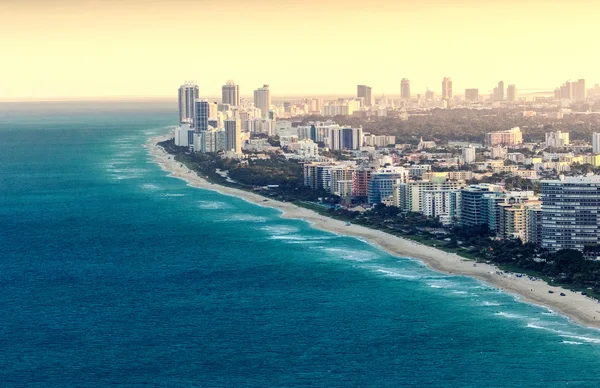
{"x":113,"y":273}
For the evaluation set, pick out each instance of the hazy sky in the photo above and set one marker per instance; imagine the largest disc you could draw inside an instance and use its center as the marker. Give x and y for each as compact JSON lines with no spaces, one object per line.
{"x":68,"y":49}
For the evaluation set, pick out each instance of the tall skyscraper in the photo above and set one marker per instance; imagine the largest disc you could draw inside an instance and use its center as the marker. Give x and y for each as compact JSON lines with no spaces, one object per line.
{"x":405,"y":89}
{"x":233,"y":136}
{"x":596,"y":142}
{"x":231,"y":93}
{"x":262,"y":100}
{"x":446,"y":88}
{"x":499,"y":91}
{"x":472,"y":94}
{"x":579,"y":90}
{"x":364,"y":91}
{"x":511,"y":93}
{"x":188,"y":93}
{"x":201,"y":115}
{"x":570,"y":212}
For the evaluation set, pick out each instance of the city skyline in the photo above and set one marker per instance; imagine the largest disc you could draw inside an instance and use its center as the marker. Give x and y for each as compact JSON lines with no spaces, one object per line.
{"x":136,"y":48}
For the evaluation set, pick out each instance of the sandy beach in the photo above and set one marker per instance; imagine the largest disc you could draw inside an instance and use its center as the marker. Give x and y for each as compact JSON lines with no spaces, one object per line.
{"x":580,"y":308}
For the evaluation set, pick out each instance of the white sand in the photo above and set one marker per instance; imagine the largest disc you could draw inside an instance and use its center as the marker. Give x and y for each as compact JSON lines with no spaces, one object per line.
{"x":576,"y":306}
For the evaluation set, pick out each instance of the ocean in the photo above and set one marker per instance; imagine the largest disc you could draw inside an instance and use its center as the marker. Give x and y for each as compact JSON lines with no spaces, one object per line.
{"x":115,"y":274}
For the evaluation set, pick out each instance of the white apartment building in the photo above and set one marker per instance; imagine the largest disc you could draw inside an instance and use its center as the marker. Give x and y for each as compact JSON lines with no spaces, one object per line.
{"x":557,"y":139}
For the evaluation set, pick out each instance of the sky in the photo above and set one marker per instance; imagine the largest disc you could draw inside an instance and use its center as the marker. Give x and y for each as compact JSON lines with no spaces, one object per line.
{"x":109,"y":49}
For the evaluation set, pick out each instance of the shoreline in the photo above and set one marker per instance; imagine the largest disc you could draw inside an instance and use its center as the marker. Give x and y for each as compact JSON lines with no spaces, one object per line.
{"x":575,"y":306}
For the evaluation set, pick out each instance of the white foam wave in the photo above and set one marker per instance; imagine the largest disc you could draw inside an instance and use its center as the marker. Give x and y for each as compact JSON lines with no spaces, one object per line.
{"x":173,"y":195}
{"x":442,"y":284}
{"x":350,"y":254}
{"x":245,"y":218}
{"x":572,"y":343}
{"x":489,"y":304}
{"x":510,"y":315}
{"x":279,"y":229}
{"x":395,"y":274}
{"x":151,"y":187}
{"x":212,"y":205}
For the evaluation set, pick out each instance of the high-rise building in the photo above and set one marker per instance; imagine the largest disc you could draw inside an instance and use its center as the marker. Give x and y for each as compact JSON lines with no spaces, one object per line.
{"x":472,"y":94}
{"x":446,"y":88}
{"x":557,"y":139}
{"x":188,"y":93}
{"x":364,"y":91}
{"x":360,"y":181}
{"x":511,"y":93}
{"x":579,"y":90}
{"x":567,"y":91}
{"x":509,"y":137}
{"x":570,"y":212}
{"x":474,"y":208}
{"x":201,"y":115}
{"x":231,"y":94}
{"x":262,"y":100}
{"x":596,"y":142}
{"x":233,"y":136}
{"x":405,"y":89}
{"x":429,"y":94}
{"x":499,"y":95}
{"x":352,"y":138}
{"x":381,"y":185}
{"x":468,"y":154}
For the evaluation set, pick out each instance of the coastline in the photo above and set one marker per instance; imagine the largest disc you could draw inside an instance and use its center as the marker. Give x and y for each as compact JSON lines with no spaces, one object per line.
{"x":577,"y":307}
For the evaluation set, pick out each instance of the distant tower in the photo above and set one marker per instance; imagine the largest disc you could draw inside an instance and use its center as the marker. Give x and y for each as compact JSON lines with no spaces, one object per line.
{"x":364,"y":91}
{"x":511,"y":93}
{"x":262,"y":100}
{"x":231,"y":94}
{"x":188,"y":93}
{"x":579,"y":90}
{"x":405,"y":89}
{"x":446,"y":88}
{"x":500,"y":91}
{"x":472,"y":95}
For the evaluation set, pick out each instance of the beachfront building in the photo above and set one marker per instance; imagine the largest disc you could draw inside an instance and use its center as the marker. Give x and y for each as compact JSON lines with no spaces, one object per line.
{"x":211,"y":140}
{"x":534,"y":225}
{"x":183,"y":135}
{"x":382,"y":183}
{"x":317,"y":176}
{"x":495,"y":200}
{"x":474,"y":209}
{"x":410,"y":196}
{"x":233,"y":136}
{"x":341,"y":181}
{"x":201,"y":115}
{"x":187,"y":95}
{"x":570,"y":212}
{"x":513,"y":221}
{"x":360,"y":181}
{"x":442,"y":204}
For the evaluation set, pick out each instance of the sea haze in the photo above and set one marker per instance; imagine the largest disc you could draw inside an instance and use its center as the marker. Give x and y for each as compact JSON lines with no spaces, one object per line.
{"x":113,"y":273}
